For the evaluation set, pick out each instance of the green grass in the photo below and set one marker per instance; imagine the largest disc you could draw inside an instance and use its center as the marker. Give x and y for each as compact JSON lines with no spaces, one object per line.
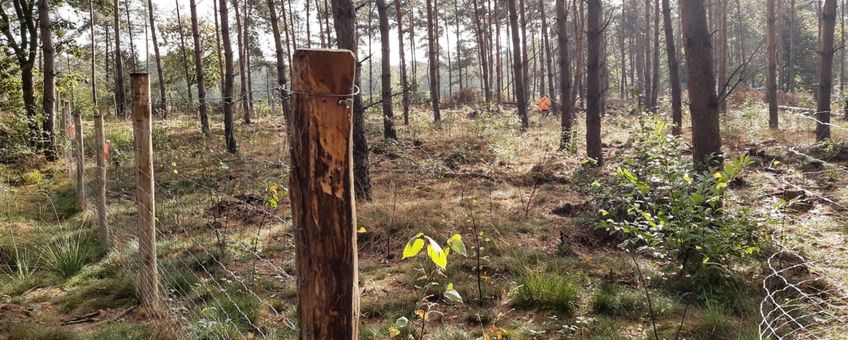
{"x":548,"y":291}
{"x":629,"y":303}
{"x":115,"y":292}
{"x":66,"y":255}
{"x":121,"y":331}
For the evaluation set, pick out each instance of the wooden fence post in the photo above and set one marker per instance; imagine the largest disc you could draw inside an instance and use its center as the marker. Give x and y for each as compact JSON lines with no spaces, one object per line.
{"x":321,"y":187}
{"x":79,"y":158}
{"x":101,"y":148}
{"x":145,"y":200}
{"x":68,"y":144}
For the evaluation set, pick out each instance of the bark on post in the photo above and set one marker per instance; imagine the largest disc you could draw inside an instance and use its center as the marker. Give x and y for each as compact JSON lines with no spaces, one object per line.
{"x":386,"y":72}
{"x":101,"y":149}
{"x":828,"y":19}
{"x":322,"y":195}
{"x":148,"y":283}
{"x":79,"y":160}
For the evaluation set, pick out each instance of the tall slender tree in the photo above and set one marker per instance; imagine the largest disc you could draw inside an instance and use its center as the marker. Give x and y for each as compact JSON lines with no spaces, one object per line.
{"x":241,"y":58}
{"x":433,"y":49}
{"x":386,"y":72}
{"x":771,"y":71}
{"x":281,"y":61}
{"x":120,"y":95}
{"x":344,"y":21}
{"x":703,"y":101}
{"x":184,"y":54}
{"x":673,"y":70}
{"x":593,"y":80}
{"x":518,"y":67}
{"x":49,"y":84}
{"x":826,"y":51}
{"x":227,"y":94}
{"x":404,"y":83}
{"x":198,"y":69}
{"x":481,"y":47}
{"x":564,"y":75}
{"x":163,"y":100}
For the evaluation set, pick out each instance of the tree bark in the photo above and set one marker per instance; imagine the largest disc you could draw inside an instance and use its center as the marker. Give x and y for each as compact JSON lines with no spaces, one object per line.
{"x":247,"y":66}
{"x":826,"y":51}
{"x":344,"y":21}
{"x":432,"y":48}
{"x":564,"y":75}
{"x":723,"y":54}
{"x":184,"y":55}
{"x":120,"y":95}
{"x":404,"y":83}
{"x":703,"y":102}
{"x":229,"y":126}
{"x":281,"y":63}
{"x":771,"y":72}
{"x":48,"y":106}
{"x":386,"y":70}
{"x":198,"y":70}
{"x":655,"y":65}
{"x":242,"y":73}
{"x":163,"y":101}
{"x":481,"y":46}
{"x":517,"y":67}
{"x":673,"y":70}
{"x":218,"y":48}
{"x":24,"y":51}
{"x":593,"y":81}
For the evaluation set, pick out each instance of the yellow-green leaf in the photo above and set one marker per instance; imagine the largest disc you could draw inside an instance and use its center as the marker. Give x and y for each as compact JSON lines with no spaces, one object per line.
{"x":455,"y":243}
{"x":413,"y":247}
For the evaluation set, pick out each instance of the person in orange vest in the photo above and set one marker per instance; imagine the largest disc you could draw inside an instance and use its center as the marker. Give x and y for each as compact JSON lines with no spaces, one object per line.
{"x":545,"y":105}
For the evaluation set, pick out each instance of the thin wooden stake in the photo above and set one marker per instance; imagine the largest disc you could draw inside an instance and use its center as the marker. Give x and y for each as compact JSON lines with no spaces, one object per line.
{"x":321,"y":186}
{"x":145,"y":200}
{"x":101,"y":148}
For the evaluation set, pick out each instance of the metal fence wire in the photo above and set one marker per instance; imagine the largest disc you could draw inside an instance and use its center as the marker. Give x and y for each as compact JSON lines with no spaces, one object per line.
{"x":801,"y":302}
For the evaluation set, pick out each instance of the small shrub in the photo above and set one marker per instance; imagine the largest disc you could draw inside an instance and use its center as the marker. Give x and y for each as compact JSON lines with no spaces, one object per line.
{"x":67,"y":255}
{"x":655,"y":199}
{"x":32,"y":177}
{"x":547,"y":291}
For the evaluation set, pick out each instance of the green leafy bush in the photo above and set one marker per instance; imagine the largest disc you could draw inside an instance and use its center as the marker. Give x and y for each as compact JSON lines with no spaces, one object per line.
{"x":32,"y":177}
{"x":656,"y":200}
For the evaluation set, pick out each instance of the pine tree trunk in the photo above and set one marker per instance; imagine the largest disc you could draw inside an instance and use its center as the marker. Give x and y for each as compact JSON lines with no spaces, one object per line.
{"x":771,"y":75}
{"x":163,"y":101}
{"x":229,"y":126}
{"x":386,"y":72}
{"x":198,"y":69}
{"x":518,"y":68}
{"x":247,"y":66}
{"x":48,"y":99}
{"x":281,"y":62}
{"x":723,"y":54}
{"x":673,"y":70}
{"x":344,"y":21}
{"x":826,"y":51}
{"x":593,"y":81}
{"x":133,"y":55}
{"x":93,"y":80}
{"x":184,"y":55}
{"x":499,"y":65}
{"x":221,"y":75}
{"x":703,"y":102}
{"x":564,"y":75}
{"x":242,"y":98}
{"x":404,"y":83}
{"x":481,"y":47}
{"x":120,"y":95}
{"x":655,"y":81}
{"x":525,"y":71}
{"x":432,"y":47}
{"x":412,"y":45}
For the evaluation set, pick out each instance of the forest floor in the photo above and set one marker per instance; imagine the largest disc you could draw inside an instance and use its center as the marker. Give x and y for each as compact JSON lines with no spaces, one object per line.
{"x":227,"y":256}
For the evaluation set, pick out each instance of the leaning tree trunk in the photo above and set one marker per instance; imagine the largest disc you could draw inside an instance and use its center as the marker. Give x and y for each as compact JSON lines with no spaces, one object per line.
{"x":198,"y":70}
{"x":404,"y":83}
{"x":163,"y":101}
{"x":432,"y":48}
{"x":771,"y":75}
{"x":703,"y":102}
{"x":344,"y":21}
{"x":386,"y":69}
{"x":281,"y":62}
{"x":518,"y":67}
{"x":48,"y":99}
{"x":593,"y":81}
{"x":229,"y":127}
{"x":564,"y":75}
{"x":828,"y":20}
{"x":120,"y":96}
{"x":673,"y":70}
